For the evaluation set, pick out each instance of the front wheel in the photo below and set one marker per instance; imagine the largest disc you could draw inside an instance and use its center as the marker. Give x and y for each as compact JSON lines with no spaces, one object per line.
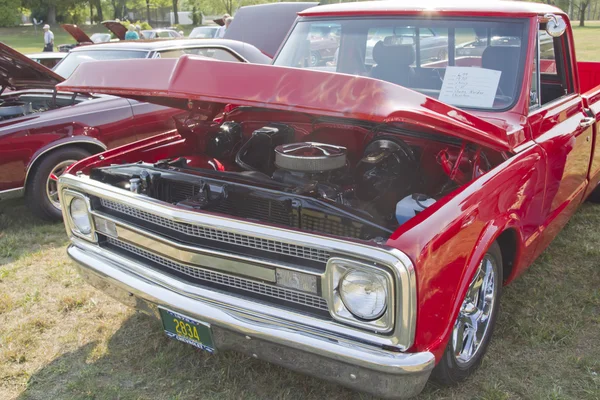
{"x":475,"y":323}
{"x":42,"y":189}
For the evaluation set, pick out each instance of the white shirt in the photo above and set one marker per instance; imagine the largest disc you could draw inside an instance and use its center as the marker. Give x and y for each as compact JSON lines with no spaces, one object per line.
{"x":221,"y":32}
{"x":48,"y":37}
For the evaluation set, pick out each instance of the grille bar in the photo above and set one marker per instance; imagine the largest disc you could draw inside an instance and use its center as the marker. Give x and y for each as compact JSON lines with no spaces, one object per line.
{"x":273,"y":246}
{"x":259,"y":288}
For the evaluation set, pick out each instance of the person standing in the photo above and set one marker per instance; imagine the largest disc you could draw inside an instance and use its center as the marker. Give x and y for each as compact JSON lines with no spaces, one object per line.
{"x":48,"y":38}
{"x":222,"y":29}
{"x":131,"y":33}
{"x":138,"y":30}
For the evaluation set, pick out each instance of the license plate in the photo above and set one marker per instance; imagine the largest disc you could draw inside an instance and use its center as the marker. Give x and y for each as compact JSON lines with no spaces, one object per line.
{"x":187,"y":330}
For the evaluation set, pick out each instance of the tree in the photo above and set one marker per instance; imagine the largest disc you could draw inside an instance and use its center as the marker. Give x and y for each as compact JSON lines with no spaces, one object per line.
{"x":582,"y":6}
{"x":9,"y":12}
{"x":52,"y":11}
{"x":175,"y":13}
{"x":98,"y":6}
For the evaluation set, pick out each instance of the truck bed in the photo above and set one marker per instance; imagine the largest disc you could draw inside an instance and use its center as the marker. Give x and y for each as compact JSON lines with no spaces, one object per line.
{"x":589,"y":76}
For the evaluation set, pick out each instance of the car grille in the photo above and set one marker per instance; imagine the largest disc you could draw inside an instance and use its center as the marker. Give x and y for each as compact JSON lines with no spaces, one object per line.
{"x":201,"y":275}
{"x":220,"y":235}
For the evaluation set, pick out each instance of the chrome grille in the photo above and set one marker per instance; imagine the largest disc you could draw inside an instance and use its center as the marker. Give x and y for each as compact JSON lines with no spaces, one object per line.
{"x":227,"y":280}
{"x":273,"y":246}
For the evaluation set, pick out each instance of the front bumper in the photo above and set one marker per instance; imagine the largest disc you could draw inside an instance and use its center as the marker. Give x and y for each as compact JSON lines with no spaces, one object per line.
{"x":346,"y":362}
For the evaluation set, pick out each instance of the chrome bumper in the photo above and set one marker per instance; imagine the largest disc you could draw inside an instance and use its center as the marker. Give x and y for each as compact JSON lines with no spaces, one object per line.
{"x":357,"y":366}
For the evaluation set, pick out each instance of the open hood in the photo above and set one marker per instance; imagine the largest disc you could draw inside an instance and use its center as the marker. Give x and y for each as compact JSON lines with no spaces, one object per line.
{"x":19,"y":72}
{"x":265,"y":26}
{"x":176,"y":82}
{"x":117,"y":28}
{"x":78,"y":34}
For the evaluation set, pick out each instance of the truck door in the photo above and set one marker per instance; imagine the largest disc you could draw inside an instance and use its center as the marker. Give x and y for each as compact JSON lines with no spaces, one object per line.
{"x":591,"y":100}
{"x":561,"y":126}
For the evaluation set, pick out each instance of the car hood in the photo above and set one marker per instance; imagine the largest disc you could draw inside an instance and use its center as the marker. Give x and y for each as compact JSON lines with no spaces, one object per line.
{"x":19,"y":72}
{"x":79,"y":35}
{"x":117,"y":28}
{"x":174,"y":83}
{"x":265,"y":26}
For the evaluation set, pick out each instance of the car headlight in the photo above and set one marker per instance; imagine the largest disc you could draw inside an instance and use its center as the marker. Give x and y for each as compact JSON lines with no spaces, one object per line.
{"x":364,"y":294}
{"x":76,"y":212}
{"x":360,"y":294}
{"x":79,"y":215}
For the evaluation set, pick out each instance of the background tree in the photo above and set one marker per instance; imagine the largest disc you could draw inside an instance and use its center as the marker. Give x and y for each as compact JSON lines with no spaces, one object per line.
{"x":175,"y":13}
{"x":9,"y":12}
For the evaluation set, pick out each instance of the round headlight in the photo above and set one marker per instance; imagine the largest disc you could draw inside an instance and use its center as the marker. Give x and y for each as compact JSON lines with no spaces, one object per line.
{"x":79,"y":215}
{"x":364,"y":294}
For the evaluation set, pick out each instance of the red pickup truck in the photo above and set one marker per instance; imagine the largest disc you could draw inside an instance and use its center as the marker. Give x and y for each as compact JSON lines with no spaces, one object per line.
{"x":355,"y":220}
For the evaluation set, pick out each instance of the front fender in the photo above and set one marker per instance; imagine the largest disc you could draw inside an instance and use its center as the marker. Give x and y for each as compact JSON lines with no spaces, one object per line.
{"x":447,"y":241}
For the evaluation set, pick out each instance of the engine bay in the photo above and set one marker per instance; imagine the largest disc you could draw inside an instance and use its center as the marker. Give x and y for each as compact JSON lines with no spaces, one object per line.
{"x":20,"y":105}
{"x":342,"y":178}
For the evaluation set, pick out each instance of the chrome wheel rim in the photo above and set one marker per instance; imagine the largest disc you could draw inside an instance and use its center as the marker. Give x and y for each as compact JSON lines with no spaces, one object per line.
{"x":52,"y":182}
{"x":313,"y":60}
{"x":471,"y":326}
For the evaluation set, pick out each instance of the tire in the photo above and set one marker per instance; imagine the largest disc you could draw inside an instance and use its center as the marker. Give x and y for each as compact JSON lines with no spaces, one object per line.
{"x":40,"y":183}
{"x":315,"y":59}
{"x":457,"y":363}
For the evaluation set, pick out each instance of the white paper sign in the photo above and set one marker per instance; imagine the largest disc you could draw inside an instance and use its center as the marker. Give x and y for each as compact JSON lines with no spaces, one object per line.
{"x":470,"y":86}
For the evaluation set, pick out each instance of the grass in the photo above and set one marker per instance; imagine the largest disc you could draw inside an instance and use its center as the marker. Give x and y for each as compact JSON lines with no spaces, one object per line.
{"x":27,"y":40}
{"x":61,"y":339}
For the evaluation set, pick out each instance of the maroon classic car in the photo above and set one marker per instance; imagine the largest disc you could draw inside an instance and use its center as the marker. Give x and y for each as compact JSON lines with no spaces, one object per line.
{"x":359,"y":224}
{"x":43,"y":131}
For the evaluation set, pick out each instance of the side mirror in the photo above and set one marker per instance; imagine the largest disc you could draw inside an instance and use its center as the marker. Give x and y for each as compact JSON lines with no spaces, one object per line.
{"x":555,"y":25}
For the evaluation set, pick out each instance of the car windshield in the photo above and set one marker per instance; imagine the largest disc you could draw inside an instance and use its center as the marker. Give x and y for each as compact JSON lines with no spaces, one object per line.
{"x":149,"y":34}
{"x":474,"y":63}
{"x":73,"y":59}
{"x":203,"y":32}
{"x":100,"y":37}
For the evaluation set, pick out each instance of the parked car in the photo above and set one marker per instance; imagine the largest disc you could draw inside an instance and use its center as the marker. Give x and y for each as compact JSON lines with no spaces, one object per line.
{"x":432,"y":46}
{"x":227,"y":50}
{"x":81,"y":37}
{"x":346,"y":226}
{"x":204,"y":32}
{"x":48,"y":59}
{"x":160,"y":34}
{"x":42,"y":132}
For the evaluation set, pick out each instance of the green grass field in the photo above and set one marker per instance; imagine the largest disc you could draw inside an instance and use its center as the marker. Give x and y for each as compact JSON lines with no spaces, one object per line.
{"x":61,"y":339}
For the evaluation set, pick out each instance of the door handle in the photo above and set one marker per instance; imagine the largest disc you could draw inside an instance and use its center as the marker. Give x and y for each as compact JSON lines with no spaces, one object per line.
{"x":588,"y":121}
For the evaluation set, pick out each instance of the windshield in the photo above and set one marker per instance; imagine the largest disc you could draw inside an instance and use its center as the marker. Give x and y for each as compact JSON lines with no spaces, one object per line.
{"x":474,"y":63}
{"x":73,"y":59}
{"x":100,"y":37}
{"x":149,"y":34}
{"x":204,"y":32}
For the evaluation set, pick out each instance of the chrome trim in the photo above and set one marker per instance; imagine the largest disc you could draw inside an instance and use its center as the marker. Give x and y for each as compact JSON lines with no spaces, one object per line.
{"x":67,"y":142}
{"x":66,"y":197}
{"x":287,"y":343}
{"x":207,"y":275}
{"x":220,"y":235}
{"x":195,"y":255}
{"x":12,"y":193}
{"x":340,"y":312}
{"x":394,"y":260}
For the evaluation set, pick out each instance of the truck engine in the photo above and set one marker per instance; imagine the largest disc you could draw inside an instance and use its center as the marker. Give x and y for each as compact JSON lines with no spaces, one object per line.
{"x":294,"y":177}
